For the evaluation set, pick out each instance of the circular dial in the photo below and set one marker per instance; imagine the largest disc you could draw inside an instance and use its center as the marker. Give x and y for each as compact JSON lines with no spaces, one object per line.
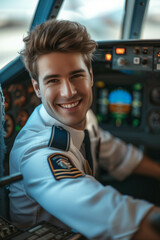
{"x":7,"y":102}
{"x":19,"y":94}
{"x":8,"y":125}
{"x":155,"y":95}
{"x":154,"y":120}
{"x":22,"y":118}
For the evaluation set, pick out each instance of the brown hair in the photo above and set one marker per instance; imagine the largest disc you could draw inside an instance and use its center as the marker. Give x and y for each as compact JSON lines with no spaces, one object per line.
{"x":56,"y":36}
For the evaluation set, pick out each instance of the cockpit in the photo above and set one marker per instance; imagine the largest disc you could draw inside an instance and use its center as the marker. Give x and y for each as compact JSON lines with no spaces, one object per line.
{"x":126,"y":69}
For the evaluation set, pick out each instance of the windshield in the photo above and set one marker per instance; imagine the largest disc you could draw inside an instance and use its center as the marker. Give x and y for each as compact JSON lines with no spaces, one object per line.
{"x":151,"y":24}
{"x":15,"y":19}
{"x":103,"y":19}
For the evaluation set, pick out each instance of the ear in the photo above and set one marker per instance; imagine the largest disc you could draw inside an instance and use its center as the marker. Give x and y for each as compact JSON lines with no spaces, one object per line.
{"x":36,"y":88}
{"x":91,"y":74}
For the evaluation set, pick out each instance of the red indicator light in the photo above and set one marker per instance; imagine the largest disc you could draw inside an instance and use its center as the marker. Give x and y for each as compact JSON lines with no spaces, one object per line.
{"x":120,"y":51}
{"x":108,"y":57}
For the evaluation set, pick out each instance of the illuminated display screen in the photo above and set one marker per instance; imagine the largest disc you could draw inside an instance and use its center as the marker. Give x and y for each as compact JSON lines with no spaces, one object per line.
{"x":119,"y":105}
{"x":120,"y":51}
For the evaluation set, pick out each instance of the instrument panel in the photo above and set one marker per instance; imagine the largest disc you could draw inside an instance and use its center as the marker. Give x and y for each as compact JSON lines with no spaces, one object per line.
{"x":20,"y":101}
{"x":126,"y":93}
{"x":128,"y":105}
{"x":127,"y":90}
{"x":119,"y":104}
{"x":136,"y":55}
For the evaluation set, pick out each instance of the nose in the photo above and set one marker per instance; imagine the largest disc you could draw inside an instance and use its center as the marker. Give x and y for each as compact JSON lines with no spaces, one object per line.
{"x":67,"y":89}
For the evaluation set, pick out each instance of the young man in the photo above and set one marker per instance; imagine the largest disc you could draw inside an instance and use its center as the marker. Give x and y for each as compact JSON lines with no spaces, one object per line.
{"x":58,"y":174}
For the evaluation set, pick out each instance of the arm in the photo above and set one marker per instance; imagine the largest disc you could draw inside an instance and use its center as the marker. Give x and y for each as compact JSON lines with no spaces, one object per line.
{"x":123,"y":159}
{"x":148,"y":167}
{"x":82,"y":203}
{"x":117,"y":157}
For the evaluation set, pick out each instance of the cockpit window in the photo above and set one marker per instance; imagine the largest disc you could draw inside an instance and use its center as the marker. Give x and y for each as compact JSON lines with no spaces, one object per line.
{"x":152,"y":21}
{"x":102,"y":18}
{"x":15,"y":19}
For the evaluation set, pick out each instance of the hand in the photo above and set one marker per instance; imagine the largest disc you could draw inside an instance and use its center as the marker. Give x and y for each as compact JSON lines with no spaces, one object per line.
{"x":155,"y":221}
{"x":146,"y":230}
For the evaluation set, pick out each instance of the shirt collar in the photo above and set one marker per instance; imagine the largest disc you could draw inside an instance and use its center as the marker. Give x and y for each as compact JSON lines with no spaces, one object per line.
{"x":77,"y":136}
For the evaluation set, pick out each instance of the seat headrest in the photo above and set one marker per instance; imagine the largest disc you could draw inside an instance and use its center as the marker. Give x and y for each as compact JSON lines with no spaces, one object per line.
{"x":2,"y":132}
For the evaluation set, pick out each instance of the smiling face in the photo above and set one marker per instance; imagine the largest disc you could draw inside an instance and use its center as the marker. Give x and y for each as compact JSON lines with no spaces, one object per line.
{"x":65,"y":87}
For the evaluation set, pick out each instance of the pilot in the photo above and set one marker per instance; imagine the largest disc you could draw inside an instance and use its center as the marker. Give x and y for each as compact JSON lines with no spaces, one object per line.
{"x":61,"y":145}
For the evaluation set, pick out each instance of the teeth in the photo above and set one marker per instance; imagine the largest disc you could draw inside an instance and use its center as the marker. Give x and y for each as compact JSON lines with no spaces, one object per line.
{"x":71,"y":105}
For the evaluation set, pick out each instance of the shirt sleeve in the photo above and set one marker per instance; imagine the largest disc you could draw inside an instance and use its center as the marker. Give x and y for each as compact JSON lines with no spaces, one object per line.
{"x":97,"y":211}
{"x":117,"y":157}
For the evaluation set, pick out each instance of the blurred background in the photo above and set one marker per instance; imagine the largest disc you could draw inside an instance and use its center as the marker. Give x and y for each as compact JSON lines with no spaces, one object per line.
{"x":103,"y":19}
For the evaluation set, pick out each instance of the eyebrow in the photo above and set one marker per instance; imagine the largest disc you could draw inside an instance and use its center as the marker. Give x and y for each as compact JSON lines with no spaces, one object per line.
{"x":77,"y":71}
{"x":58,"y":75}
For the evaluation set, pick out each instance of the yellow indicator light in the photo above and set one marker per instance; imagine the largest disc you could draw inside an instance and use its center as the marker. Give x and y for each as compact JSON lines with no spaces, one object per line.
{"x":108,"y":57}
{"x":120,"y":51}
{"x":100,"y":84}
{"x":158,"y":54}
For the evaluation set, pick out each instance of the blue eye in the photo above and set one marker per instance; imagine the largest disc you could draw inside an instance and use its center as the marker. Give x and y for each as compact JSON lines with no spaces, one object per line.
{"x":52,"y":81}
{"x":78,"y":76}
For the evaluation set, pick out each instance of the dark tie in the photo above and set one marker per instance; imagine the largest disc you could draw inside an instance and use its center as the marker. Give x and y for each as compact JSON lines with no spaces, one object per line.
{"x":88,"y":149}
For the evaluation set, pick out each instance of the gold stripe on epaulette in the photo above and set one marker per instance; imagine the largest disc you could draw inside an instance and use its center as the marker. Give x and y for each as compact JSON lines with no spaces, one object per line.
{"x":60,"y":177}
{"x":66,"y":173}
{"x":70,"y":169}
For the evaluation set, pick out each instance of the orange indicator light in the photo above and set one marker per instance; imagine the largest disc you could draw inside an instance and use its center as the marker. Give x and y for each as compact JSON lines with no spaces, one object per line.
{"x":120,"y":51}
{"x":108,"y":57}
{"x":158,"y":54}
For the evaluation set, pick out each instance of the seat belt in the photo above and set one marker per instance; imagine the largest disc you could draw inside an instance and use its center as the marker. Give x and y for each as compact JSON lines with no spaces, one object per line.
{"x":88,"y":149}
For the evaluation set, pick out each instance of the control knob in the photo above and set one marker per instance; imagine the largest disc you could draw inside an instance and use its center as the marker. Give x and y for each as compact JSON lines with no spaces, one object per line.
{"x":144,"y":61}
{"x":155,"y":95}
{"x":121,"y":61}
{"x":154,"y":120}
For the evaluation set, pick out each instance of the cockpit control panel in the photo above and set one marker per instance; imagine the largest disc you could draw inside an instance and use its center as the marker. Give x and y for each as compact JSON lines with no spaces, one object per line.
{"x":126,"y":93}
{"x":130,"y":55}
{"x":127,"y":90}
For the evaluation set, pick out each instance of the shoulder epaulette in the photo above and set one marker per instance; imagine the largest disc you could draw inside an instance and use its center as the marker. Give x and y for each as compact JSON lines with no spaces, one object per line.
{"x":60,"y":138}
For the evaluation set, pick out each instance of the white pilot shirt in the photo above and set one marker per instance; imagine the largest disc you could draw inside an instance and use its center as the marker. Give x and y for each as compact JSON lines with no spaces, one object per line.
{"x":75,"y":199}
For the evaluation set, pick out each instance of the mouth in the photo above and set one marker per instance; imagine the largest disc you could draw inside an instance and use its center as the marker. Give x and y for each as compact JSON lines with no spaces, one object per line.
{"x":69,"y":105}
